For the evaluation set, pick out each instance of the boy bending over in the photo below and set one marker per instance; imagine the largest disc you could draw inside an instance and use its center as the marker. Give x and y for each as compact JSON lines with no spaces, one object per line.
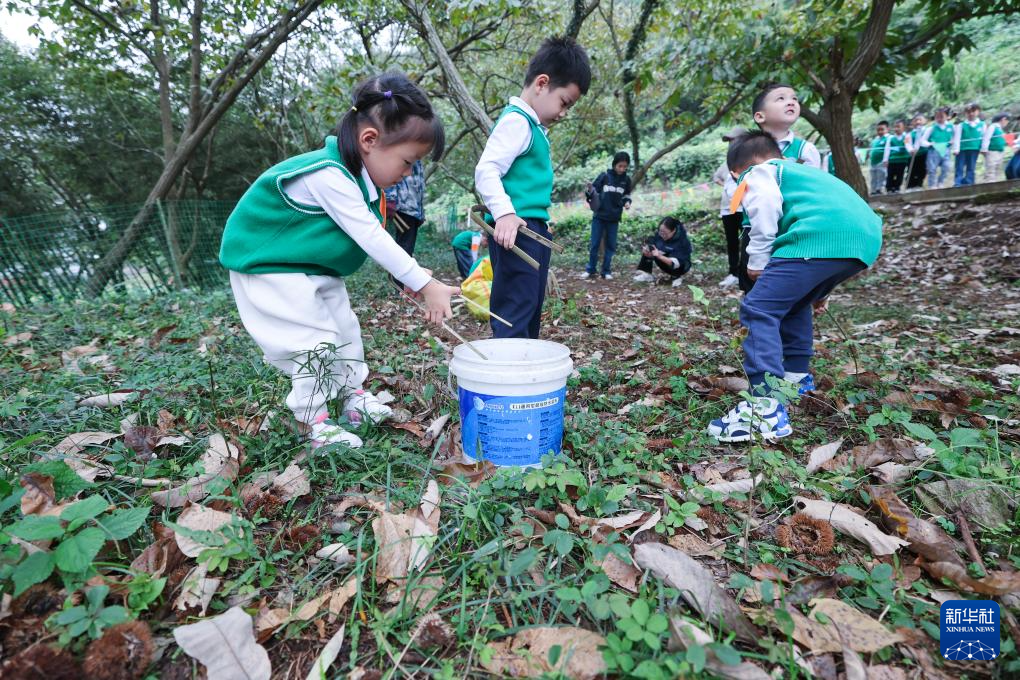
{"x":809,"y":233}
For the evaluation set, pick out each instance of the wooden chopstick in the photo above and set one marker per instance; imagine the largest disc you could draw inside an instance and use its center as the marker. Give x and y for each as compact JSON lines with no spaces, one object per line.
{"x":448,"y":329}
{"x":492,"y":232}
{"x":529,"y":232}
{"x":487,"y":311}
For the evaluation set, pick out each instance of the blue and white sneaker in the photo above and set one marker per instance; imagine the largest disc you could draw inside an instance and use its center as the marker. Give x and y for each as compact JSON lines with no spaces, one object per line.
{"x":806,"y":384}
{"x":765,"y":418}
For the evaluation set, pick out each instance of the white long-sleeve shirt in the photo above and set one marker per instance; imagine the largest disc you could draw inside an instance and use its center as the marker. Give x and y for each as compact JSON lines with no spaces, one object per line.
{"x":925,"y":136}
{"x":341,"y":198}
{"x":763,"y":204}
{"x":509,"y":139}
{"x":729,"y":185}
{"x":986,"y":138}
{"x":888,"y":144}
{"x":958,"y":132}
{"x":809,"y":154}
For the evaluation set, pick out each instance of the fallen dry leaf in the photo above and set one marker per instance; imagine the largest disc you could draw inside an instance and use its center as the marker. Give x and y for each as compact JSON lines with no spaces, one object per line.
{"x":17,"y":338}
{"x":850,"y":627}
{"x":823,"y":454}
{"x":621,"y":573}
{"x":292,"y":483}
{"x":335,"y":552}
{"x":649,"y":523}
{"x":854,"y":665}
{"x":724,"y":488}
{"x":695,"y":546}
{"x":339,"y":598}
{"x":404,"y":543}
{"x":73,"y":444}
{"x":526,"y":654}
{"x":434,"y":430}
{"x":474,"y":474}
{"x":200,"y":518}
{"x":925,"y":539}
{"x":430,"y":500}
{"x":226,"y":646}
{"x":267,"y":621}
{"x":328,"y":655}
{"x":896,"y":450}
{"x":845,"y":520}
{"x":197,"y":590}
{"x":221,"y":460}
{"x":39,"y":496}
{"x":696,"y":585}
{"x":110,"y":400}
{"x":995,"y":583}
{"x":685,"y":634}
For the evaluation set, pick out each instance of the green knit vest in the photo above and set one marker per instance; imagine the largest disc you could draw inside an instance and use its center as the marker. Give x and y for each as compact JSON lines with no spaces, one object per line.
{"x":970,"y":136}
{"x":268,"y":232}
{"x":898,"y":150}
{"x":877,"y":152}
{"x":823,"y":217}
{"x":794,"y":150}
{"x":997,"y":142}
{"x":529,"y":181}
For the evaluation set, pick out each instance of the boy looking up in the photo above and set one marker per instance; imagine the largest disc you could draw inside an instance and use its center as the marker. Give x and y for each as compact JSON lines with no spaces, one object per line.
{"x":809,"y":232}
{"x":775,"y":110}
{"x":514,"y":177}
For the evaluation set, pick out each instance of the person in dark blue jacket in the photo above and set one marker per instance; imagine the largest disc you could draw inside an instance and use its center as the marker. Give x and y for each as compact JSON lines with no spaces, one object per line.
{"x":670,"y":249}
{"x":608,"y":195}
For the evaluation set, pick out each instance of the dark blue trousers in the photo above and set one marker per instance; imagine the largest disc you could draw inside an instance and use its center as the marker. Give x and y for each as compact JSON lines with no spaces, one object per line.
{"x":777,"y":313}
{"x":600,"y":228}
{"x":464,"y":262}
{"x":966,"y":161}
{"x":518,"y":290}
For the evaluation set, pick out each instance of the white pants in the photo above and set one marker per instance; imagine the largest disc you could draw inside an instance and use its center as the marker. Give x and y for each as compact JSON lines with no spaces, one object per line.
{"x":295,"y":319}
{"x":993,"y":167}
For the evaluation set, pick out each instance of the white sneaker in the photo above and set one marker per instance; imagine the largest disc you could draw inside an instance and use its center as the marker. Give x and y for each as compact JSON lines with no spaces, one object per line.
{"x":644,"y":277}
{"x":607,"y":277}
{"x":765,"y":418}
{"x":323,"y":434}
{"x":362,"y":405}
{"x":677,"y":282}
{"x":585,"y":275}
{"x":729,"y":281}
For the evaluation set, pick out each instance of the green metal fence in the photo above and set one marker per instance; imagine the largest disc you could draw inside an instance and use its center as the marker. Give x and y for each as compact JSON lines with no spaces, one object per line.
{"x":51,"y":256}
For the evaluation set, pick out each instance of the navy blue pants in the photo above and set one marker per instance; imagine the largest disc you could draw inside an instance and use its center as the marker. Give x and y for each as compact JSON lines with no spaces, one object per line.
{"x":464,"y":262}
{"x":600,"y":228}
{"x":777,"y":313}
{"x":518,"y":290}
{"x":966,"y":161}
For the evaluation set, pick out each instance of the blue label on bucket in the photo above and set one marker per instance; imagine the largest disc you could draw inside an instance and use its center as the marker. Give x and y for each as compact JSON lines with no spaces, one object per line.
{"x":511,"y":430}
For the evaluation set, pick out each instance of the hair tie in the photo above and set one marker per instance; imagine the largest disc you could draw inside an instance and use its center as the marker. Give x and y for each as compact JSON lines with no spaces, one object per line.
{"x":388,"y":94}
{"x":354,"y":109}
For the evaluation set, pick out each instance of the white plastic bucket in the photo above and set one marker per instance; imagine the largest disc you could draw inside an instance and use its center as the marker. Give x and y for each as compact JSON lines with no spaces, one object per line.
{"x":511,"y":405}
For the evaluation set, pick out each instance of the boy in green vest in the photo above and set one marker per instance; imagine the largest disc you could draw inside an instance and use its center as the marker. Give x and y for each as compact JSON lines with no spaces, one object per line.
{"x":937,"y":139}
{"x":918,"y":167}
{"x":876,"y":157}
{"x":967,"y":145}
{"x":897,"y":156}
{"x":514,"y":177}
{"x":775,"y":110}
{"x":809,"y":232}
{"x":466,"y":247}
{"x":993,"y":145}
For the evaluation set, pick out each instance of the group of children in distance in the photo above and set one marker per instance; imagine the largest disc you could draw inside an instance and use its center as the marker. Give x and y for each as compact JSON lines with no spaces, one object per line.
{"x":311,"y":220}
{"x":929,"y":149}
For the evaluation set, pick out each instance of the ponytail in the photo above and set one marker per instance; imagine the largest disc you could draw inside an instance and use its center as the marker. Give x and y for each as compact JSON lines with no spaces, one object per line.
{"x":400,"y":111}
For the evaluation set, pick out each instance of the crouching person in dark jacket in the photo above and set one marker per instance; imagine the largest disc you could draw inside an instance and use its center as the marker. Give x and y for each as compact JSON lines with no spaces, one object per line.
{"x":670,"y":249}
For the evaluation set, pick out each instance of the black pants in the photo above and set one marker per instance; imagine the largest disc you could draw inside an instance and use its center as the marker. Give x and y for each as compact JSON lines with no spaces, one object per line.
{"x":464,"y":261}
{"x":645,"y":265}
{"x":918,"y":171}
{"x":743,"y":280}
{"x":407,"y":237}
{"x":731,"y":226}
{"x":518,"y":290}
{"x":894,"y":179}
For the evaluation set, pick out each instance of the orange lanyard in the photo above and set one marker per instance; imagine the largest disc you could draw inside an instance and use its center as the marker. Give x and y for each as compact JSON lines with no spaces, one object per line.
{"x":738,"y":196}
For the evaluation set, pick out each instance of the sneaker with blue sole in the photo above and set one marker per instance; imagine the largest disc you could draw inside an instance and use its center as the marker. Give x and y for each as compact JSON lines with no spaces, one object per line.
{"x":765,"y":418}
{"x":806,"y":384}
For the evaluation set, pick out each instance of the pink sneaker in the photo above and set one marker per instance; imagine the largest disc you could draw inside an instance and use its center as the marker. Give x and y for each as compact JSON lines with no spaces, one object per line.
{"x":362,"y":405}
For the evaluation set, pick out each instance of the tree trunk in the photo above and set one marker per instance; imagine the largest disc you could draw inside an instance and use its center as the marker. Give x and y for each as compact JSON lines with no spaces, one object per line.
{"x":839,"y":132}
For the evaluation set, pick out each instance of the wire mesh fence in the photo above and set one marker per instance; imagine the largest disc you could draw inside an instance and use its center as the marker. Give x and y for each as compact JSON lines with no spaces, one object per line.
{"x":54,"y":255}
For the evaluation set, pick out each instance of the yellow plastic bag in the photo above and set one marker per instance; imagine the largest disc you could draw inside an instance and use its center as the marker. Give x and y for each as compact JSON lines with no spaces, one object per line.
{"x":477,"y":287}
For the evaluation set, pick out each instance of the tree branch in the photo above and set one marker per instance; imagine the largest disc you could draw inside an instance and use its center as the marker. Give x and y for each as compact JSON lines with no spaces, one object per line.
{"x":105,"y":20}
{"x":195,"y":105}
{"x":470,"y":108}
{"x":640,"y":173}
{"x":870,"y":47}
{"x":580,"y":12}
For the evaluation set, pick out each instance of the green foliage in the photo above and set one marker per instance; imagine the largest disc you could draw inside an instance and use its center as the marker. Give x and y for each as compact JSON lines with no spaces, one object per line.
{"x":90,"y":618}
